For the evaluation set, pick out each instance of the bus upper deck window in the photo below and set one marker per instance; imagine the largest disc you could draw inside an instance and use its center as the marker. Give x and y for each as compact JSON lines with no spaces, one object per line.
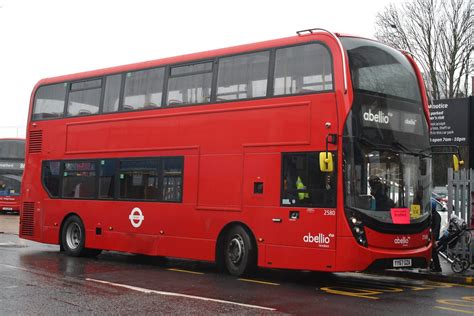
{"x":303,"y":69}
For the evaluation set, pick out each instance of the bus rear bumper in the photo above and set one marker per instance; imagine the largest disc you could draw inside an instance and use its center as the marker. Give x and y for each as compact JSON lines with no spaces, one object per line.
{"x":353,"y":257}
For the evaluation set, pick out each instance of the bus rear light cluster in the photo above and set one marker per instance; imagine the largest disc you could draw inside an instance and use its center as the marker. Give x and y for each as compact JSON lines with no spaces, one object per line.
{"x":358,"y":230}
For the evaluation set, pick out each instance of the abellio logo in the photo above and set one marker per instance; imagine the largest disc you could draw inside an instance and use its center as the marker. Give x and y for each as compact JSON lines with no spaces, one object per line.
{"x":401,"y":241}
{"x":380,"y":117}
{"x":320,"y":239}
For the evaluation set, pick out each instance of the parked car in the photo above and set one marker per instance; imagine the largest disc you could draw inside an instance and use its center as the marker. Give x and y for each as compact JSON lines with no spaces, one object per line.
{"x":440,"y":198}
{"x":441,"y":191}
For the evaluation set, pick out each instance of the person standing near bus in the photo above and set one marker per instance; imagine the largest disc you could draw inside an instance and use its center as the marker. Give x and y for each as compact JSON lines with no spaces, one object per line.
{"x":435,"y":227}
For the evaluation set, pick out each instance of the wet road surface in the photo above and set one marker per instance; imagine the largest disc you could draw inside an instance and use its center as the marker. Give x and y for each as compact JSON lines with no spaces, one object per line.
{"x":38,"y":279}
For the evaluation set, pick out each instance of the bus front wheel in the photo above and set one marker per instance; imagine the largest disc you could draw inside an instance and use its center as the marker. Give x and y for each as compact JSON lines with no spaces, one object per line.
{"x":240,"y":254}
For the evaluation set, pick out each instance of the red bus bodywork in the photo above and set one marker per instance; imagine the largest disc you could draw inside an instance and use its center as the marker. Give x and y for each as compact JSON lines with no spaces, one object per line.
{"x":10,"y":202}
{"x":227,"y":147}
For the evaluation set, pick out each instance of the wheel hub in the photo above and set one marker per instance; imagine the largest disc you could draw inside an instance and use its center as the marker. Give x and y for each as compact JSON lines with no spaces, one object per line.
{"x":235,"y":249}
{"x":73,"y":236}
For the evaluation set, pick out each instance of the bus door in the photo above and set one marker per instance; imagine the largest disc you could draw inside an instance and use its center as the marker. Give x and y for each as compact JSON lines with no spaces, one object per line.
{"x":304,"y":225}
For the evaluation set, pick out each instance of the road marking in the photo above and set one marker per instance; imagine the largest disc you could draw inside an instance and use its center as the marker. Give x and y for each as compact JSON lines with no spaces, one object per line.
{"x":454,"y":302}
{"x":148,"y":291}
{"x":7,"y":244}
{"x":259,"y":282}
{"x":466,"y":301}
{"x":384,"y":289}
{"x":184,"y":271}
{"x":447,"y":285}
{"x":418,"y":288}
{"x":440,"y":285}
{"x":355,"y":292}
{"x":13,"y":267}
{"x":430,"y":286}
{"x":454,"y":310}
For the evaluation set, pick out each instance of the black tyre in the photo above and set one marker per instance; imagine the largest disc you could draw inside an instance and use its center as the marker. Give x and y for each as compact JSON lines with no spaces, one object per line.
{"x":466,"y":264}
{"x":457,"y":266}
{"x":73,"y":237}
{"x":240,"y":252}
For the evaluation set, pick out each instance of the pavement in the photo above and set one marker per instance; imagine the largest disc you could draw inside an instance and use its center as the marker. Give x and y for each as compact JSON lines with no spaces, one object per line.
{"x":447,"y":275}
{"x":9,"y":224}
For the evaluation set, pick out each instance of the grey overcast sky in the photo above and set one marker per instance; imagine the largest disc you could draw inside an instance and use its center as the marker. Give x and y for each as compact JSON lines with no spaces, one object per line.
{"x":47,"y":38}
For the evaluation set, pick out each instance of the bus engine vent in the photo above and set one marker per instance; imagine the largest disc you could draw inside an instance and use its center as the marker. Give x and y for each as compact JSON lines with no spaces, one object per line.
{"x":35,"y":142}
{"x":28,"y":219}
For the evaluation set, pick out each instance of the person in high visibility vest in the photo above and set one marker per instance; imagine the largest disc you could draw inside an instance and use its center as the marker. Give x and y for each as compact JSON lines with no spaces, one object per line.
{"x":301,"y":186}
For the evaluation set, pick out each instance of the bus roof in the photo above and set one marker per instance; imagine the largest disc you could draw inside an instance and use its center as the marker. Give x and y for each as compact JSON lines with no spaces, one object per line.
{"x":234,"y":50}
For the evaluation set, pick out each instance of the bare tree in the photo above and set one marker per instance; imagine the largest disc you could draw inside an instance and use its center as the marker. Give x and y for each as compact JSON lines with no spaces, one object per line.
{"x":439,"y":33}
{"x":456,"y":47}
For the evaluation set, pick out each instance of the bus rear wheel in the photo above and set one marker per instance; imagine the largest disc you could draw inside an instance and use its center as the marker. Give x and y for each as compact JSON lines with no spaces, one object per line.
{"x":240,"y":253}
{"x":73,"y":237}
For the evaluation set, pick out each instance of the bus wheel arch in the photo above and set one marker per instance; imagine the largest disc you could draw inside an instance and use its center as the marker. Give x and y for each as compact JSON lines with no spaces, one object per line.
{"x":236,"y":249}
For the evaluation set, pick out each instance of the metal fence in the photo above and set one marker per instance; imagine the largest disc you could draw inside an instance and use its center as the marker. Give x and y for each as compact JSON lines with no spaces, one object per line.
{"x":460,"y":196}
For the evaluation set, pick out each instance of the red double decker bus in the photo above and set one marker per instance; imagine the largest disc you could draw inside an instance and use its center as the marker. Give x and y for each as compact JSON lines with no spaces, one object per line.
{"x":12,"y":163}
{"x":307,"y":152}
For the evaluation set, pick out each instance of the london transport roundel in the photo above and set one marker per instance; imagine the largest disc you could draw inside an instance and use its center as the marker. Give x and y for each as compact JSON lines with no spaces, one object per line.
{"x":136,"y":217}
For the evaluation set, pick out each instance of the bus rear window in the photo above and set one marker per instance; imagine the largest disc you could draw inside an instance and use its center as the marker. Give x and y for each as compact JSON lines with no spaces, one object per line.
{"x":49,"y":102}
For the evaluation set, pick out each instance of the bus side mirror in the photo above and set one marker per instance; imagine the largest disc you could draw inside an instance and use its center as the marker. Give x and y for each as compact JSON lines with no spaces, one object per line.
{"x":326,"y":163}
{"x":457,"y":163}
